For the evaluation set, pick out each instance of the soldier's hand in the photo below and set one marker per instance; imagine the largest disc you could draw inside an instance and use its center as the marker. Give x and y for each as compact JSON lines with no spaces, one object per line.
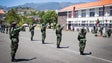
{"x":63,"y":25}
{"x":23,"y":25}
{"x":34,"y":25}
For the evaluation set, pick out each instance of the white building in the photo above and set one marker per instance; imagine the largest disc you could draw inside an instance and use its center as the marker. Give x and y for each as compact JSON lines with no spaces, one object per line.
{"x":87,"y":14}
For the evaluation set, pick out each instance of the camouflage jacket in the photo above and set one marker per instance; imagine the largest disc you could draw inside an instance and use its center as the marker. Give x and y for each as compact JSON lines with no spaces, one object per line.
{"x":14,"y":32}
{"x":81,"y":36}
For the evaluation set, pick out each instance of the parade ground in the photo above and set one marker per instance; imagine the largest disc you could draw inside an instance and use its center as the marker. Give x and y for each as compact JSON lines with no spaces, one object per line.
{"x":36,"y":52}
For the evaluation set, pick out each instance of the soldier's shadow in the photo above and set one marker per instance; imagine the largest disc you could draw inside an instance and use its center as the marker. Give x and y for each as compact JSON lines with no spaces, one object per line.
{"x":20,"y":60}
{"x":63,"y":47}
{"x":48,"y":43}
{"x":87,"y":53}
{"x":36,"y":40}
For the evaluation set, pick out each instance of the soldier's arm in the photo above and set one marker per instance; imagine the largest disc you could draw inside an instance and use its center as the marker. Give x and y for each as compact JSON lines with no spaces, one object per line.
{"x":78,"y":37}
{"x":62,"y":27}
{"x":56,"y":31}
{"x":19,"y":29}
{"x":41,"y":30}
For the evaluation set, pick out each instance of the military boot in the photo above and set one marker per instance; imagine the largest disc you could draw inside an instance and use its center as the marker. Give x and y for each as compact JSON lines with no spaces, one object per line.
{"x":42,"y":41}
{"x":58,"y":46}
{"x":13,"y":58}
{"x":81,"y":53}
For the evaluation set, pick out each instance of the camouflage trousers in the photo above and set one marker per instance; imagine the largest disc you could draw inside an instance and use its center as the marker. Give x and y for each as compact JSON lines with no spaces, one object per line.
{"x":82,"y":44}
{"x":43,"y":37}
{"x":59,"y":40}
{"x":32,"y":34}
{"x":6,"y":30}
{"x":14,"y":47}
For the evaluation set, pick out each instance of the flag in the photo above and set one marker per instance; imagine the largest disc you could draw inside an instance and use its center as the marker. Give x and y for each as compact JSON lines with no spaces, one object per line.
{"x":97,"y":22}
{"x":73,"y":12}
{"x":103,"y":10}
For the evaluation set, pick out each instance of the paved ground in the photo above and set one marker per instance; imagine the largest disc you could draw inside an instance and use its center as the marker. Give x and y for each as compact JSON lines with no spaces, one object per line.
{"x":36,"y":52}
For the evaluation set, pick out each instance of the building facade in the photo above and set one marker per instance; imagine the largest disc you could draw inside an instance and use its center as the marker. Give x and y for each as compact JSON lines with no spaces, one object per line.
{"x":87,"y":15}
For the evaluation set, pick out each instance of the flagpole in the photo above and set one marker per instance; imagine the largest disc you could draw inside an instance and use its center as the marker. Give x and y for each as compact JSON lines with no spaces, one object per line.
{"x":103,"y":15}
{"x":104,"y":25}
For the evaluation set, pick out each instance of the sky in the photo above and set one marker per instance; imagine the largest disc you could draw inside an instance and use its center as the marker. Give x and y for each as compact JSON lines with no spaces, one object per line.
{"x":10,"y":3}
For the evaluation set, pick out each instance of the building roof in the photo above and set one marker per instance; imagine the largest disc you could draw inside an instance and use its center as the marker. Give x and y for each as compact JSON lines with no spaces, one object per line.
{"x":1,"y":11}
{"x":87,"y":5}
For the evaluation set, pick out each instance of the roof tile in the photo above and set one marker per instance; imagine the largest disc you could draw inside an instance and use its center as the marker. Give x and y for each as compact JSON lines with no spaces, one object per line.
{"x":87,"y":5}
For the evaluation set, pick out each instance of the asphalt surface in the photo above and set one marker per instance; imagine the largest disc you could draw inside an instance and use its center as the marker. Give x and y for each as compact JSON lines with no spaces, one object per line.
{"x":36,"y":52}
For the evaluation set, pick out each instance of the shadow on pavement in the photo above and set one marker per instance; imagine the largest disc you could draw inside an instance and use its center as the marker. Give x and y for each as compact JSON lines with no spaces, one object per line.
{"x":64,"y":47}
{"x":48,"y":43}
{"x":87,"y":53}
{"x":35,"y":40}
{"x":19,"y":60}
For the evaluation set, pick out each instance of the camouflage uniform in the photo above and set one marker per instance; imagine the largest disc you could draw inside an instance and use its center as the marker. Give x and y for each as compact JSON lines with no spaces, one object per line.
{"x":43,"y":30}
{"x":59,"y":35}
{"x":7,"y":28}
{"x":109,"y":31}
{"x":82,"y":40}
{"x":101,"y":31}
{"x":96,"y":30}
{"x":3,"y":28}
{"x":14,"y":37}
{"x":32,"y":31}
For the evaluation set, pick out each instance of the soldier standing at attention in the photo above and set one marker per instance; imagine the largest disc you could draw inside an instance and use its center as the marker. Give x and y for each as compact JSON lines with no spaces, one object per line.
{"x":109,"y":31}
{"x":59,"y":35}
{"x":43,"y":30}
{"x":7,"y":28}
{"x":14,"y":37}
{"x":32,"y":31}
{"x":82,"y":40}
{"x":101,"y":31}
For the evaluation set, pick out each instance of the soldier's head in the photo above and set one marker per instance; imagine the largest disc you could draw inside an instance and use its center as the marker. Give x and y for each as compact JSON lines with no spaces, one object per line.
{"x":82,"y":30}
{"x":43,"y":24}
{"x":14,"y":24}
{"x":59,"y":25}
{"x":32,"y":24}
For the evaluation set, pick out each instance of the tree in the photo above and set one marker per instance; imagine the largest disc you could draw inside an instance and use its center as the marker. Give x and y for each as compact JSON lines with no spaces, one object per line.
{"x":50,"y":17}
{"x":40,"y":13}
{"x":12,"y":16}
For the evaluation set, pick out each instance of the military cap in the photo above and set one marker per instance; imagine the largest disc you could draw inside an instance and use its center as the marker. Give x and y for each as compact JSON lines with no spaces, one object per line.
{"x":14,"y":23}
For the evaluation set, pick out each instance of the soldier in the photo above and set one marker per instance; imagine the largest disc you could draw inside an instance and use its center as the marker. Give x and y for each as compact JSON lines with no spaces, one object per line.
{"x":3,"y":27}
{"x":32,"y":31}
{"x":109,"y":31}
{"x":14,"y":37}
{"x":7,"y":28}
{"x":43,"y":30}
{"x":82,"y":40}
{"x":95,"y":31}
{"x":101,"y":31}
{"x":59,"y":35}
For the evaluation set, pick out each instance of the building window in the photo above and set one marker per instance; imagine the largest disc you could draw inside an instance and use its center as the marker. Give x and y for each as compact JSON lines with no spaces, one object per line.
{"x":111,"y":11}
{"x":101,"y":11}
{"x":91,"y":23}
{"x":76,"y":23}
{"x":92,"y":12}
{"x":110,"y":24}
{"x":69,"y":14}
{"x":101,"y":23}
{"x":83,"y":13}
{"x":76,"y":14}
{"x":83,"y":23}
